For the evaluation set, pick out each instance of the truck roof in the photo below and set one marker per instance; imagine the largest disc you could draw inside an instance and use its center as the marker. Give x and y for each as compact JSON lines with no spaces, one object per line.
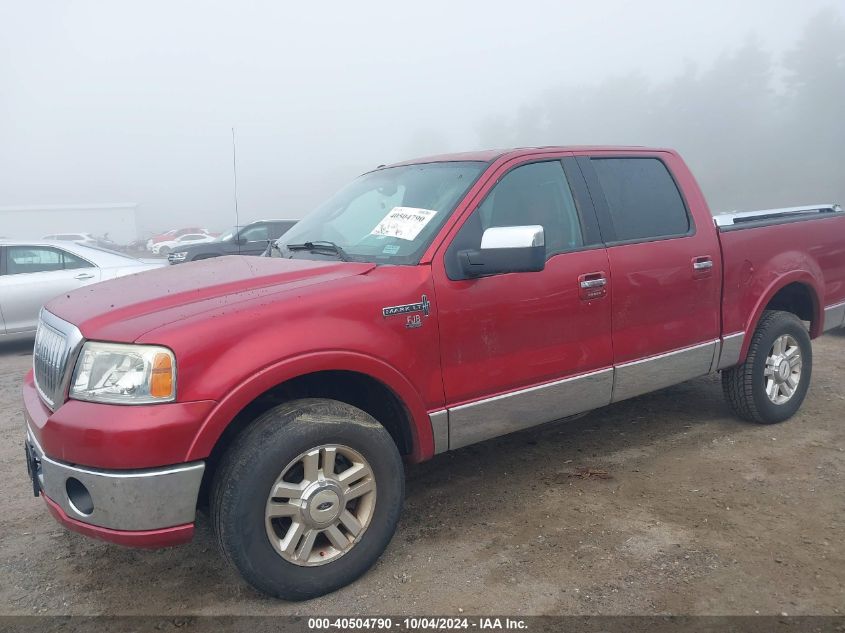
{"x":490,"y":155}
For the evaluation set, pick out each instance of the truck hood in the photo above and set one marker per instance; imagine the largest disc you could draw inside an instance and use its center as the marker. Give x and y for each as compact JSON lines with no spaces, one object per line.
{"x":123,"y":309}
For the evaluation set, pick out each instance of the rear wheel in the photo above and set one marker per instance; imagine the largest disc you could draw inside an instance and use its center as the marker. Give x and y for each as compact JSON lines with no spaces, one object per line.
{"x":307,"y":498}
{"x":771,"y":384}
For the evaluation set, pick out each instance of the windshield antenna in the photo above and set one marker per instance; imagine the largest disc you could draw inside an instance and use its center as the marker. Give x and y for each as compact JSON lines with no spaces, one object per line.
{"x":235,"y":176}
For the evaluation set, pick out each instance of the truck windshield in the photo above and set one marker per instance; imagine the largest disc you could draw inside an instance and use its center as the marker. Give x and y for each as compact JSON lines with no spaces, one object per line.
{"x":385,"y":216}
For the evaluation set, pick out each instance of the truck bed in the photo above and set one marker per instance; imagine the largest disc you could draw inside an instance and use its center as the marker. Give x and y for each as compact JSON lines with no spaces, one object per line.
{"x":763,"y":250}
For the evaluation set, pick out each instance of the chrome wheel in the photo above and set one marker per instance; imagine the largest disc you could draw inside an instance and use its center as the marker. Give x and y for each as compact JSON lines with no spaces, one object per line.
{"x":320,"y":505}
{"x":782,"y":374}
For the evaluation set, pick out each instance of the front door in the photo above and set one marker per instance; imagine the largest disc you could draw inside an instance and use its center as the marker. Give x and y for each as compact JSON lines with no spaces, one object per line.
{"x":254,"y":239}
{"x":520,"y":349}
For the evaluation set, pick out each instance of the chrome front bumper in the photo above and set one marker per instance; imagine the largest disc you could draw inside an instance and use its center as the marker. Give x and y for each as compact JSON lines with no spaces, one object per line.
{"x":130,"y":500}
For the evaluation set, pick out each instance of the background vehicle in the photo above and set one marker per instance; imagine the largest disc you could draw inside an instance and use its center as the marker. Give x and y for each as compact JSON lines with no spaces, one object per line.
{"x":80,"y":238}
{"x":250,"y":239}
{"x":164,"y":247}
{"x":425,"y":307}
{"x":174,"y":234}
{"x":32,"y":273}
{"x":86,"y":239}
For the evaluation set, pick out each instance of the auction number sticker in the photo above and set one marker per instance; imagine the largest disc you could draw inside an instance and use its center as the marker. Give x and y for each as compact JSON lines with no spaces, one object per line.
{"x":405,"y":223}
{"x":418,"y":623}
{"x":351,"y":624}
{"x":423,"y":623}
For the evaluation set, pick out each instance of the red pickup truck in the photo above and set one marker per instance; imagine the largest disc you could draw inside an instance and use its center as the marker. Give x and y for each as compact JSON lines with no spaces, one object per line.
{"x":426,"y":306}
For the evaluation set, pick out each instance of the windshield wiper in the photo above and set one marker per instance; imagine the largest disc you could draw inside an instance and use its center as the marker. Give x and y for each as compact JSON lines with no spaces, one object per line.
{"x":318,"y":246}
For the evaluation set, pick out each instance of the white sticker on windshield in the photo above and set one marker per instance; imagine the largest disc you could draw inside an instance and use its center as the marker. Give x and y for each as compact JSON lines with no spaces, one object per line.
{"x":406,"y":223}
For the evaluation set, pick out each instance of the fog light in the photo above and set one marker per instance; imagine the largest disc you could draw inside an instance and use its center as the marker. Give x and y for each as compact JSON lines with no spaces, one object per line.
{"x":79,"y":497}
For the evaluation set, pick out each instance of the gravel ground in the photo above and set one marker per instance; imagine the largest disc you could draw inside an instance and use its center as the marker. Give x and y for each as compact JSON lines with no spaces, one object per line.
{"x":698,"y":514}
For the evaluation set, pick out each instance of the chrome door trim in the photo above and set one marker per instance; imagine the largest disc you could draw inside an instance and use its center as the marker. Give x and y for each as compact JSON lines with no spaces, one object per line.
{"x":664,"y":370}
{"x":834,"y":316}
{"x":440,"y":430}
{"x":731,"y":348}
{"x":477,"y":421}
{"x":505,"y":413}
{"x":717,"y":352}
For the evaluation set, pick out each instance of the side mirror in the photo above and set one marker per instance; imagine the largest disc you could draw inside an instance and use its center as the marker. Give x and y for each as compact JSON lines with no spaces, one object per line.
{"x":506,"y":249}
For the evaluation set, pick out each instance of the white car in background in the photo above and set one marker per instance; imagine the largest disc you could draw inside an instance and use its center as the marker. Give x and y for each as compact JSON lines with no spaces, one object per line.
{"x":163,"y":248}
{"x":34,"y":272}
{"x":80,"y":238}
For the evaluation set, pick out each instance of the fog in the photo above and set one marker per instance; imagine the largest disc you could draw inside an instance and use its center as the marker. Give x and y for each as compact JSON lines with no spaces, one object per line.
{"x":118,"y":102}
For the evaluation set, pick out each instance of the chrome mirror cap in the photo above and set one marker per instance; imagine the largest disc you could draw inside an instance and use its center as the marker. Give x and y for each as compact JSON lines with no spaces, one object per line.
{"x":513,"y":237}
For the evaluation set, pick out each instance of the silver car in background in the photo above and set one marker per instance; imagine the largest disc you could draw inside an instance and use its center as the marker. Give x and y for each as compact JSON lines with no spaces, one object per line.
{"x":34,"y":272}
{"x":85,"y":239}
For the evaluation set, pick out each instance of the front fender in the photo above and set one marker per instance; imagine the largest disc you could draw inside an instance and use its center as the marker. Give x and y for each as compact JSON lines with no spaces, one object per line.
{"x":338,"y":360}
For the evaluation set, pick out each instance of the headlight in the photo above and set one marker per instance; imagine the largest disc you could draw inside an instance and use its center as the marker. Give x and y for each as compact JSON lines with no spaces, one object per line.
{"x":124,"y":374}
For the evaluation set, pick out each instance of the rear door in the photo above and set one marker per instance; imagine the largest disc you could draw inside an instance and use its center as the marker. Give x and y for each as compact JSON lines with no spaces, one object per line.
{"x":33,"y":275}
{"x":666,"y":272}
{"x":520,"y":349}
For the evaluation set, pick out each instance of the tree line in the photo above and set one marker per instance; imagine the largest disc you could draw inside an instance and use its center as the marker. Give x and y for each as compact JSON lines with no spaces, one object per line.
{"x":758,"y":130}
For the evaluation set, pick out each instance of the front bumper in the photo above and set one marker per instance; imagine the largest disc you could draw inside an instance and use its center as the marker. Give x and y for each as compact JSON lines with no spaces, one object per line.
{"x":111,"y":436}
{"x":145,"y":507}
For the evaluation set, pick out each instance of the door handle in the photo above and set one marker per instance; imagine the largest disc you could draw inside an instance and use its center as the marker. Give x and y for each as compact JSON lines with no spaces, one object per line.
{"x":702,"y":266}
{"x":594,"y":283}
{"x":82,"y":276}
{"x":592,"y":286}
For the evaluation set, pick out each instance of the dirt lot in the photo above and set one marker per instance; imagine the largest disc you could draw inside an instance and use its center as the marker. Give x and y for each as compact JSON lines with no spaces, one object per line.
{"x":703,"y":514}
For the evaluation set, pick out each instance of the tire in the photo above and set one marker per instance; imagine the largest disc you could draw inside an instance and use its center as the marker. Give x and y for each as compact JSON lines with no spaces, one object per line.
{"x":254,"y":465}
{"x":164,"y":250}
{"x":745,"y":386}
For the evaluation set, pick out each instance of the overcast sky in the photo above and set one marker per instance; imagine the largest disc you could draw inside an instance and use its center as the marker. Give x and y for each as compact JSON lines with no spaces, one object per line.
{"x":108,"y":101}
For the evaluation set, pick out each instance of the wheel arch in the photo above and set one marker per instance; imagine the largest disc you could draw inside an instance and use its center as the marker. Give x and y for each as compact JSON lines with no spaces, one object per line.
{"x":797,"y":292}
{"x":362,"y":381}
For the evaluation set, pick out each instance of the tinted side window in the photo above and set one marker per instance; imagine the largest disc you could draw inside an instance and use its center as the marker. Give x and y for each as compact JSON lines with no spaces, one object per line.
{"x":255,"y":233}
{"x":72,"y":262}
{"x":32,"y":259}
{"x":643,"y":199}
{"x":537,"y":193}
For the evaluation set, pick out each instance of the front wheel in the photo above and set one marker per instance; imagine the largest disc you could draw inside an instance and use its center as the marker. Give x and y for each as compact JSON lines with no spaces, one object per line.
{"x":307,"y":498}
{"x":771,"y":384}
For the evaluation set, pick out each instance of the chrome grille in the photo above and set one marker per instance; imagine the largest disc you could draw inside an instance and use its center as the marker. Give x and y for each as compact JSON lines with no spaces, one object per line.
{"x":56,"y":343}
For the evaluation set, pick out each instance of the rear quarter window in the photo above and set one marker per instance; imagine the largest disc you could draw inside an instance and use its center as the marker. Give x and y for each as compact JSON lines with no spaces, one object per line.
{"x":642,"y":197}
